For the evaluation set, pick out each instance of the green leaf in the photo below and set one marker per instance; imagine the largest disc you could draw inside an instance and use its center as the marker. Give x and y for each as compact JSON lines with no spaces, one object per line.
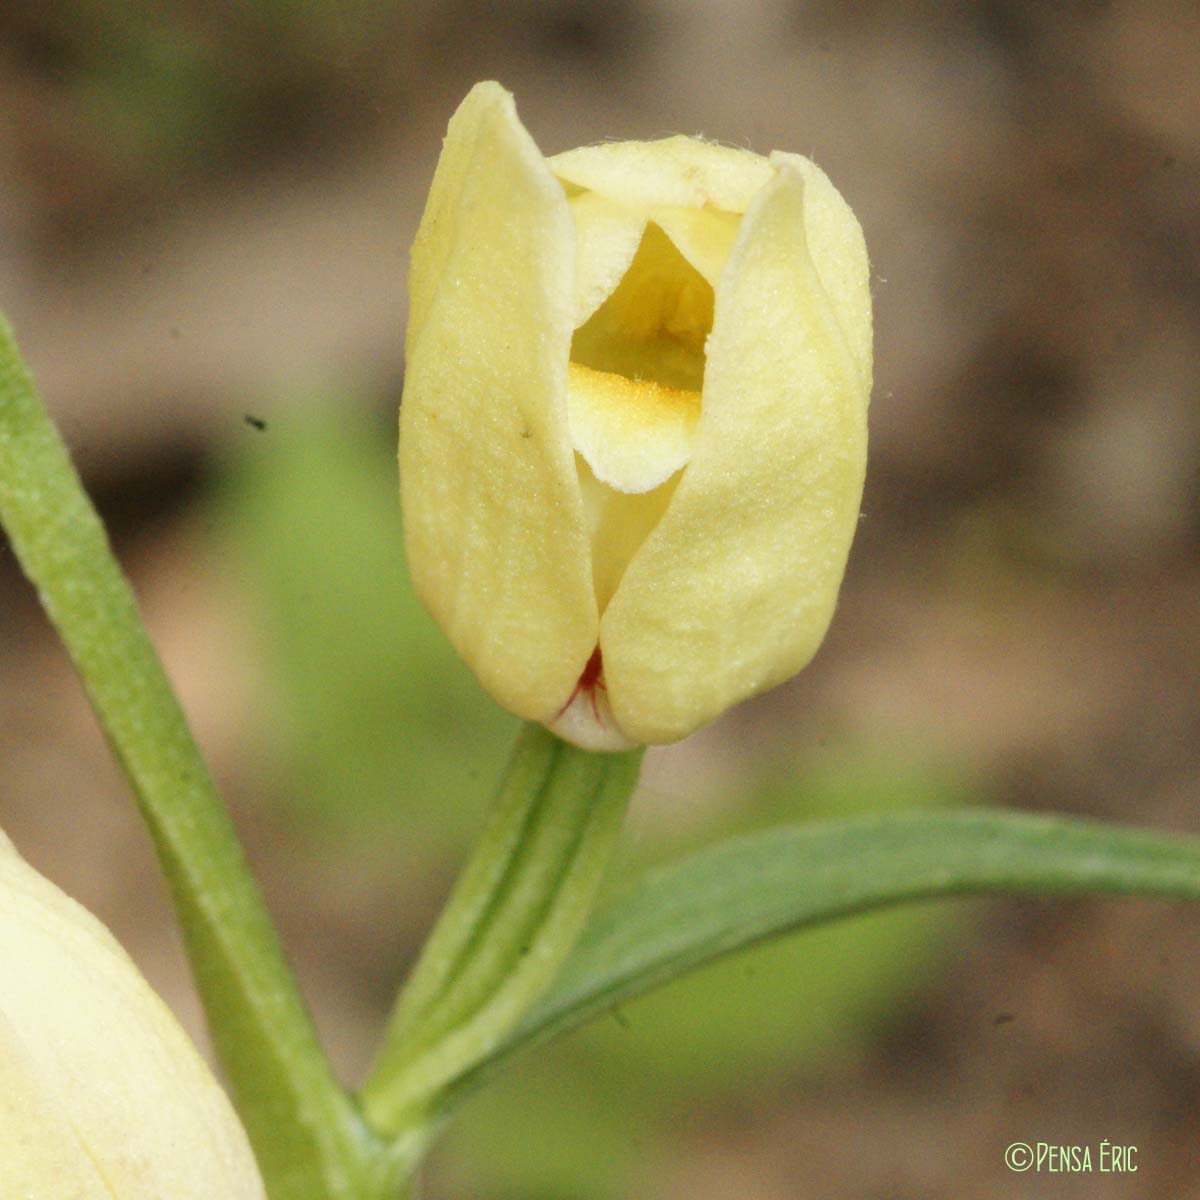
{"x":759,"y":886}
{"x":750,"y":1020}
{"x":310,"y":1142}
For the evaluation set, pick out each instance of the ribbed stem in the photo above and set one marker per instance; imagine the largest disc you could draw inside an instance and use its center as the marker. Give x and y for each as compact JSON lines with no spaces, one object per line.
{"x":511,"y":920}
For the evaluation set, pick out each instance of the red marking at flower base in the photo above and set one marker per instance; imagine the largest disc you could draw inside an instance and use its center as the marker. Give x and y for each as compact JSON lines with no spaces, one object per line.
{"x":590,"y":682}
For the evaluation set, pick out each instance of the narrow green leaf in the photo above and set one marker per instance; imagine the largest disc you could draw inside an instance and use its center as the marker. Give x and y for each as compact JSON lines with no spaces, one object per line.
{"x":310,"y":1143}
{"x":759,"y":886}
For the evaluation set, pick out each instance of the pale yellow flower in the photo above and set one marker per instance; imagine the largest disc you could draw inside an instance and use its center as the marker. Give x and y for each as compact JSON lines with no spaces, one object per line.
{"x":633,"y":432}
{"x":102,"y":1095}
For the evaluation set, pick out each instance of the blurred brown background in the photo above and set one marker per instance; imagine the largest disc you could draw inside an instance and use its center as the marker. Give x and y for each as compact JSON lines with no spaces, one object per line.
{"x":204,"y":217}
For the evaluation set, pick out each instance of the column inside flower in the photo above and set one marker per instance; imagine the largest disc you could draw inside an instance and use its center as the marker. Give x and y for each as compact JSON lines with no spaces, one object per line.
{"x":645,"y":295}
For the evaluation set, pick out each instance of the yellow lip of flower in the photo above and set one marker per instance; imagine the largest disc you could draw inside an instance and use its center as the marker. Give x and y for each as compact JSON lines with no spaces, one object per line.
{"x":101,"y":1093}
{"x":633,"y":433}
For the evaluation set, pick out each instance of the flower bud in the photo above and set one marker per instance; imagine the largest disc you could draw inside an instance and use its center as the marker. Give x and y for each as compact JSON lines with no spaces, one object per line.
{"x":101,"y":1093}
{"x":633,"y":432}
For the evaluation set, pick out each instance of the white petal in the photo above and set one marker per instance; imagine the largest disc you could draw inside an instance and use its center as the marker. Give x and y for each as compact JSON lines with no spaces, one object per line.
{"x":733,"y":590}
{"x":839,"y":254}
{"x":619,"y":523}
{"x":494,"y":524}
{"x":703,"y":237}
{"x":607,"y":236}
{"x":99,"y":1052}
{"x":676,"y":170}
{"x":41,"y":1156}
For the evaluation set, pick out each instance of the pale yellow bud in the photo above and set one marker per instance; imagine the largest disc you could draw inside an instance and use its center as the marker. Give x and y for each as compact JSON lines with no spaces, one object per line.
{"x":102,"y":1095}
{"x":633,"y":433}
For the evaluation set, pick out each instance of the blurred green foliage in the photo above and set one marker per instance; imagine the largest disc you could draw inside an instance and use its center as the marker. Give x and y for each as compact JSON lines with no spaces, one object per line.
{"x":380,"y":721}
{"x":162,"y":85}
{"x":377,"y":718}
{"x":154,"y":88}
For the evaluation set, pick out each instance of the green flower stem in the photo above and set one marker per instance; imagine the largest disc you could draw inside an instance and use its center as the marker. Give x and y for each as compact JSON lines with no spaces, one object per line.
{"x":513,"y":917}
{"x":309,"y":1139}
